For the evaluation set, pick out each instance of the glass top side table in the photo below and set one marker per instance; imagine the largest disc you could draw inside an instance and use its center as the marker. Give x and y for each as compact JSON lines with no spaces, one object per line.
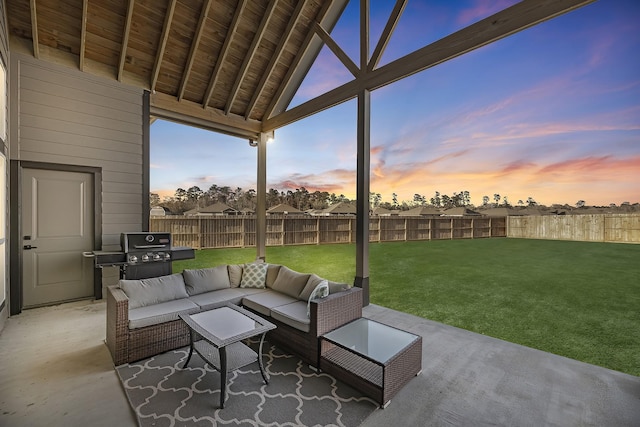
{"x":373,"y":357}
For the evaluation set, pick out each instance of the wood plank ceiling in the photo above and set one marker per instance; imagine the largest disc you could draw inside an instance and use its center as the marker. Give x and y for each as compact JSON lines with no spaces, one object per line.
{"x":222,"y":64}
{"x":233,"y":66}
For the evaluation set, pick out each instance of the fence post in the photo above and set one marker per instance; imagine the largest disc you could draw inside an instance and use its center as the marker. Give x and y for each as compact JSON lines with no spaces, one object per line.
{"x":451,"y":227}
{"x":405,"y":229}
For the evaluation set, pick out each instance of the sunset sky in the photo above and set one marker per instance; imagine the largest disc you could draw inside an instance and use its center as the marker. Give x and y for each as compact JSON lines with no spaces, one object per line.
{"x":552,"y":113}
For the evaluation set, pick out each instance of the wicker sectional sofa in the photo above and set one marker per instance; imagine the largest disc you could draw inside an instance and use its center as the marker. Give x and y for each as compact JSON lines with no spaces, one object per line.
{"x":142,"y":315}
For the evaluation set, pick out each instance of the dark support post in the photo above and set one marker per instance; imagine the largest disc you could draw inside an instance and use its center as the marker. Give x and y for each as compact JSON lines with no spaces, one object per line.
{"x":146,"y":163}
{"x":261,"y":208}
{"x":362,"y":195}
{"x":364,"y":163}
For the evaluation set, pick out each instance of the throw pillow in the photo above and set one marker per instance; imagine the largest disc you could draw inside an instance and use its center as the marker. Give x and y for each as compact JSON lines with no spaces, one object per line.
{"x":314,"y":280}
{"x":321,"y":291}
{"x":290,"y":282}
{"x":155,"y":290}
{"x":206,"y":279}
{"x":254,"y":275}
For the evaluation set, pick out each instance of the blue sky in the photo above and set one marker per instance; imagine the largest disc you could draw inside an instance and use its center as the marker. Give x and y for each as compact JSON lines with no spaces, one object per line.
{"x":552,"y":112}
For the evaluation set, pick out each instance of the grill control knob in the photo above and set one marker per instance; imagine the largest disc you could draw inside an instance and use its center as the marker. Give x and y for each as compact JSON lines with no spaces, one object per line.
{"x":145,"y":258}
{"x":167,"y":256}
{"x":133,"y":259}
{"x":156,"y":257}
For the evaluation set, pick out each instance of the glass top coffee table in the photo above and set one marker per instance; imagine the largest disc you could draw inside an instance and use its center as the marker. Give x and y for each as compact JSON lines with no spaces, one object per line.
{"x":216,"y":336}
{"x":372,"y":357}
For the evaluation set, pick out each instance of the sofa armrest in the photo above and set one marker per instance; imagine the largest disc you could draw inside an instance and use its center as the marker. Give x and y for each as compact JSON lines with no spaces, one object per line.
{"x":327,"y":314}
{"x":117,"y":324}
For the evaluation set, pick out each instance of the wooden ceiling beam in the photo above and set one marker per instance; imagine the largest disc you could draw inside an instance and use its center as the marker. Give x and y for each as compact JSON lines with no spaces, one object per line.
{"x":385,"y":37}
{"x":34,"y":29}
{"x":168,"y":18}
{"x":284,"y":39}
{"x":364,"y":33}
{"x":204,"y":13}
{"x":251,"y":53}
{"x":125,"y":39}
{"x":168,"y":107}
{"x":337,"y":50}
{"x":511,"y":20}
{"x":285,"y":86}
{"x":223,"y":52}
{"x":83,"y":33}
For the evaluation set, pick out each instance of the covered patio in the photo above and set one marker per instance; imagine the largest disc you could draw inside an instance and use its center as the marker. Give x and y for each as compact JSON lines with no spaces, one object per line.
{"x":64,"y":376}
{"x":123,"y":63}
{"x":226,"y":66}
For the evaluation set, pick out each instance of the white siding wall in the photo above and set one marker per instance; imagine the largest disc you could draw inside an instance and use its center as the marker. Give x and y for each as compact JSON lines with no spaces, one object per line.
{"x":71,"y":118}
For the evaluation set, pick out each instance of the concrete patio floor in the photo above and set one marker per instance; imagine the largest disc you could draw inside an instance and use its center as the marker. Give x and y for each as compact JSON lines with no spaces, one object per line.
{"x":56,"y":371}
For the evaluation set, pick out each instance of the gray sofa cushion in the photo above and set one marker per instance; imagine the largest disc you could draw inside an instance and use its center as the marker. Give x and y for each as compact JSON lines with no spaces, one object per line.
{"x":206,"y":279}
{"x":250,"y":291}
{"x":235,"y":274}
{"x":294,"y":315}
{"x":160,"y":313}
{"x":272,"y":274}
{"x":263,"y":302}
{"x":290,"y":282}
{"x":155,"y":290}
{"x":314,"y":281}
{"x":208,"y":300}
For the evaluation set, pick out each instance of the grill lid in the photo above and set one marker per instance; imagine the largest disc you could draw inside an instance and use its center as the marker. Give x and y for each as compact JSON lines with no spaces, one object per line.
{"x":147,"y":241}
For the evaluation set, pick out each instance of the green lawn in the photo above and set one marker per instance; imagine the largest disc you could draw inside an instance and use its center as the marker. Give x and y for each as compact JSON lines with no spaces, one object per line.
{"x":576,"y":299}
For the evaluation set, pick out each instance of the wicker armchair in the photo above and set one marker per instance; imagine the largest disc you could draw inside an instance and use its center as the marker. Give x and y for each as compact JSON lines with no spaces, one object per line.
{"x":326,"y":315}
{"x":128,"y":345}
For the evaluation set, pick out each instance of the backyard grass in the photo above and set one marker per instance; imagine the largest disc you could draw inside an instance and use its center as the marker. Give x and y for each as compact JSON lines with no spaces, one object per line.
{"x":576,"y":299}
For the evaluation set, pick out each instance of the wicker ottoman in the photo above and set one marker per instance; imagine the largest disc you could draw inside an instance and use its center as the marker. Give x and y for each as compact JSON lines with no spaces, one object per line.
{"x":372,"y":357}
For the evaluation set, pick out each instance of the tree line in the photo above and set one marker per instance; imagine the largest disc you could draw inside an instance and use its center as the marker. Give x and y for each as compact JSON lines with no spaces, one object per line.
{"x":300,"y":198}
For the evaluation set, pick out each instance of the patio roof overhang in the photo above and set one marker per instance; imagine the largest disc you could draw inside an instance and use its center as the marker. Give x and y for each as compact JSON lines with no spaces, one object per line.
{"x":234,"y":66}
{"x":224,"y":65}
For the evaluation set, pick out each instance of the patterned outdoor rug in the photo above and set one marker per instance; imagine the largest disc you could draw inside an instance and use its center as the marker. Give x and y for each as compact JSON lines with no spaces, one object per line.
{"x":161,"y":393}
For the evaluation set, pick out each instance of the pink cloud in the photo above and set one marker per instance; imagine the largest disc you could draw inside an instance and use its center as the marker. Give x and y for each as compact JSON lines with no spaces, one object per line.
{"x":377,"y":150}
{"x":516,"y":167}
{"x":333,"y":181}
{"x":595,"y":165}
{"x":589,"y":178}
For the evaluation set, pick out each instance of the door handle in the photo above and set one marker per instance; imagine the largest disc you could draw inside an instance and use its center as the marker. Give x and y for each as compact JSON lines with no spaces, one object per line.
{"x":29,"y":247}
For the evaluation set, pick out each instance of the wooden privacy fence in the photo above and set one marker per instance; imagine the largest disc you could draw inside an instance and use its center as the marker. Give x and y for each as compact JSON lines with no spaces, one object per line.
{"x":618,"y":228}
{"x":202,"y":232}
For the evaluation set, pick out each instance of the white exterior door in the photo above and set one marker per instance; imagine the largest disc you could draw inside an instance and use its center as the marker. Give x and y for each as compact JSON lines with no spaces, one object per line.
{"x":57,"y":227}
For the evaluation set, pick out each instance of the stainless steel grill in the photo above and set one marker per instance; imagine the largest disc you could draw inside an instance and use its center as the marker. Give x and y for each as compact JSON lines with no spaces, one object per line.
{"x":143,"y":255}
